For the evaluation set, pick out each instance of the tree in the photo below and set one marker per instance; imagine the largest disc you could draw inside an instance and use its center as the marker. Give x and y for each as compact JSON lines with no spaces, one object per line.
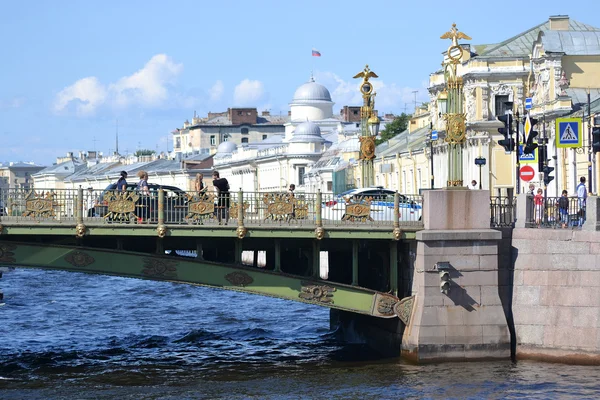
{"x":399,"y":124}
{"x":144,"y":152}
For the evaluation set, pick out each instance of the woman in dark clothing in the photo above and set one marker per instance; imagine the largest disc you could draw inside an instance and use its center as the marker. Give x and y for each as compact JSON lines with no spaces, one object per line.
{"x":223,"y":197}
{"x":122,"y":182}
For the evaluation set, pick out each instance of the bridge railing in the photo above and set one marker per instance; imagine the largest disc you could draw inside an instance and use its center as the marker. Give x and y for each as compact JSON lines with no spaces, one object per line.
{"x":206,"y":208}
{"x":555,"y":212}
{"x":503,"y":211}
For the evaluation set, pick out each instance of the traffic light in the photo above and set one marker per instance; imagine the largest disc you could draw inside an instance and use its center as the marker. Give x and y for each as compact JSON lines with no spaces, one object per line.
{"x":508,"y":142}
{"x":542,"y":156}
{"x":596,"y":139}
{"x":444,"y":281}
{"x":547,"y":178}
{"x":530,"y":145}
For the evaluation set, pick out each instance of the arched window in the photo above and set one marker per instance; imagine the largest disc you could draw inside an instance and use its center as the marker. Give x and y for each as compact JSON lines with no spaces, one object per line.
{"x":245,"y":140}
{"x":244,"y":131}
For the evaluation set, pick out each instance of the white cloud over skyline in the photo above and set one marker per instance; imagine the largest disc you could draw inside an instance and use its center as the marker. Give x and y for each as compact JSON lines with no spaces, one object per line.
{"x":148,"y":87}
{"x":215,"y":93}
{"x":248,"y":93}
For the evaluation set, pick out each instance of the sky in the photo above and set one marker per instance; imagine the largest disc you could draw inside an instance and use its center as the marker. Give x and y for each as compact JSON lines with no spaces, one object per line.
{"x":69,"y":70}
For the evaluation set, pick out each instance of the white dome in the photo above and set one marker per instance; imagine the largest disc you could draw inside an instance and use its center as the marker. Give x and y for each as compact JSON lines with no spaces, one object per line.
{"x":307,"y":132}
{"x":226,"y":147}
{"x":311,"y":92}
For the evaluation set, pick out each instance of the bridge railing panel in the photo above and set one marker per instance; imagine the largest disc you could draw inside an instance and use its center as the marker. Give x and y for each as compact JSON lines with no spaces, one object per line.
{"x":40,"y":205}
{"x":503,"y":211}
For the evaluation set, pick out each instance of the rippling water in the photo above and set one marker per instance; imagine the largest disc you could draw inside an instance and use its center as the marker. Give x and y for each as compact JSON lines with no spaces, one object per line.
{"x":77,"y":336}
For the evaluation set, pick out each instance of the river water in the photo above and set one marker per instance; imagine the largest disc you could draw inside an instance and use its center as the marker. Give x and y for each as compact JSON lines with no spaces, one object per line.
{"x":76,"y":336}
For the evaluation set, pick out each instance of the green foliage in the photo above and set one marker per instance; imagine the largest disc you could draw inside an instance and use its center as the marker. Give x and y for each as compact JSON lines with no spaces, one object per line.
{"x":399,"y":124}
{"x":144,"y":152}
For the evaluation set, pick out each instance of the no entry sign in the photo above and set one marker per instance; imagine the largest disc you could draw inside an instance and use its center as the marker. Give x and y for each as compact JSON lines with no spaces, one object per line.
{"x":527,"y":173}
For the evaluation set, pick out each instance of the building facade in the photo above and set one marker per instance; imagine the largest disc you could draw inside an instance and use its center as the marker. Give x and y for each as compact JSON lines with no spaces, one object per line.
{"x":18,"y":175}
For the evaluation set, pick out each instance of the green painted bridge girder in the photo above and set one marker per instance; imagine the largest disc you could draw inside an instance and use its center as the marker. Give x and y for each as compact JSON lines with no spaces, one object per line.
{"x":217,"y":275}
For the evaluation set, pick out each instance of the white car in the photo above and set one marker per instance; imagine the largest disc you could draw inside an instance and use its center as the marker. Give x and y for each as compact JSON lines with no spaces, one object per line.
{"x":381,"y":206}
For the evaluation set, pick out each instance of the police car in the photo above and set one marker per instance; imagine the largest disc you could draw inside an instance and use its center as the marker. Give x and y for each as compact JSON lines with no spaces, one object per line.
{"x":382,"y":204}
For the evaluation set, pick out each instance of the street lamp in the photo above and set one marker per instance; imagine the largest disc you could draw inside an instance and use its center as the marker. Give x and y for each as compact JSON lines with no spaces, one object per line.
{"x":442,"y":102}
{"x":369,"y":128}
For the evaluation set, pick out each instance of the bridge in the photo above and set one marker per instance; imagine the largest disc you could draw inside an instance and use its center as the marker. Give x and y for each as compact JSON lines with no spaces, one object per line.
{"x":358,"y":256}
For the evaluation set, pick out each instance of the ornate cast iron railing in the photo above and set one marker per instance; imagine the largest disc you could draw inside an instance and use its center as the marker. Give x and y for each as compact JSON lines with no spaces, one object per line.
{"x":503,"y":211}
{"x":555,"y":212}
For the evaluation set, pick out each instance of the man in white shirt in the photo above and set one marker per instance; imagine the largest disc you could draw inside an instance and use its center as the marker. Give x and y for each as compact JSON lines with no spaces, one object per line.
{"x":582,"y":197}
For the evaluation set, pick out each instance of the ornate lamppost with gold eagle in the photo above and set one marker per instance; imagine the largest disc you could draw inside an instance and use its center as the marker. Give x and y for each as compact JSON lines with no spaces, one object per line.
{"x":369,"y":128}
{"x":455,"y":117}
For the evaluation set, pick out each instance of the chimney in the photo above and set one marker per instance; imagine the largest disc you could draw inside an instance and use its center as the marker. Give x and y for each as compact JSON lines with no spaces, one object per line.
{"x":559,"y":23}
{"x":266,"y":114}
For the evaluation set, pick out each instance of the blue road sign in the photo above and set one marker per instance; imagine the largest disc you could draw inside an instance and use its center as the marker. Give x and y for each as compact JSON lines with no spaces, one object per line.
{"x":527,"y":158}
{"x":528,"y":103}
{"x":569,"y":132}
{"x":434,"y":135}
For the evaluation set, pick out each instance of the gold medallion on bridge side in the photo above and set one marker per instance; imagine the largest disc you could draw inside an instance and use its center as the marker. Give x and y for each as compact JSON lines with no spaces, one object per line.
{"x":318,"y":293}
{"x":121,"y":205}
{"x":239,"y":278}
{"x":79,"y":259}
{"x":367,"y":147}
{"x":358,"y":209}
{"x":384,"y":304}
{"x":40,"y":205}
{"x":280,"y":206}
{"x":6,"y":253}
{"x":200,"y":207}
{"x":158,"y":268}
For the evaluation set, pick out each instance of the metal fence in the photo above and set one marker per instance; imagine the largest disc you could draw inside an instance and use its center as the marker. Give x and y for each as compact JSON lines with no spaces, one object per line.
{"x":167,"y":206}
{"x":503,"y":211}
{"x":555,"y":212}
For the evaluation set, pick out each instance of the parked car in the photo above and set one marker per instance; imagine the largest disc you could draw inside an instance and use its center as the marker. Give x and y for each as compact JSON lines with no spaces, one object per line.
{"x":382,"y":204}
{"x":175,"y":205}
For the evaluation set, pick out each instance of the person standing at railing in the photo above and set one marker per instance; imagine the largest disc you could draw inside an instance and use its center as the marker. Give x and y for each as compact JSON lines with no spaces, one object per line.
{"x":122,"y":182}
{"x":531,"y":191}
{"x":222,"y":186}
{"x":538,"y":202}
{"x":563,"y":208}
{"x":142,"y":188}
{"x":292,"y":200}
{"x":199,"y":184}
{"x":582,"y":199}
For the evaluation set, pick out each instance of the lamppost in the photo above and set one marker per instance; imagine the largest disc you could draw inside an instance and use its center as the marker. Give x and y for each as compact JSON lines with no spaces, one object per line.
{"x":369,"y":128}
{"x":455,"y":118}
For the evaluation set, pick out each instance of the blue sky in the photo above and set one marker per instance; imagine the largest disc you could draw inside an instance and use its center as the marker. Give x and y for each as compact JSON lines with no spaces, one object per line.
{"x":70,"y":69}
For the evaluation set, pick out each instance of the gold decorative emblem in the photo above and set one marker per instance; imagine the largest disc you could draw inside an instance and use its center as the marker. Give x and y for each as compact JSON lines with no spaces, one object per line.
{"x":79,"y":259}
{"x":358,"y":209}
{"x":319,"y":232}
{"x":233,"y":209}
{"x":280,"y":206}
{"x":80,"y":230}
{"x":6,"y":253}
{"x":385,"y":304}
{"x":121,"y":205}
{"x":456,"y":128}
{"x":40,"y":205}
{"x":367,"y":147}
{"x":397,"y":233}
{"x":365,"y":87}
{"x":200,"y":207}
{"x":158,"y":268}
{"x":239,"y":278}
{"x":241,"y":232}
{"x":403,"y":309}
{"x":318,"y":293}
{"x":161,"y":230}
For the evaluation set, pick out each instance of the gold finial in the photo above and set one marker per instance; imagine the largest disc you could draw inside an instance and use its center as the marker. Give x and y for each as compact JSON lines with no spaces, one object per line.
{"x":366,"y":74}
{"x":454,"y":34}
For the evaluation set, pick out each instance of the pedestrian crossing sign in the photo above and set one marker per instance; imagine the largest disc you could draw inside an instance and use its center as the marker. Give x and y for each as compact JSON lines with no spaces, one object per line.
{"x":527,"y":158}
{"x":568,"y":132}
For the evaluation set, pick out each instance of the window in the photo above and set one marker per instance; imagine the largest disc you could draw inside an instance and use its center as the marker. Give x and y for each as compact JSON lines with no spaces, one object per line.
{"x":244,"y":140}
{"x":248,"y":113}
{"x":329,"y":186}
{"x":355,"y":112}
{"x":264,"y":137}
{"x":301,"y":175}
{"x":213,"y":140}
{"x":240,"y":113}
{"x":500,"y":106}
{"x":244,"y":131}
{"x":178,"y":143}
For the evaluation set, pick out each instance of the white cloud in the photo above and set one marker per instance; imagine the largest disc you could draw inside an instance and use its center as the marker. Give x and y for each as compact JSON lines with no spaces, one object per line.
{"x":390,"y":97}
{"x":216,"y":91}
{"x":248,"y":93}
{"x":148,"y":87}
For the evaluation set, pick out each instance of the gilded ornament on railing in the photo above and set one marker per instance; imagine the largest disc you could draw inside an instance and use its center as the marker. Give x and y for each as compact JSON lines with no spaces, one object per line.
{"x":284,"y":206}
{"x":367,"y":147}
{"x":233,"y":209}
{"x":121,"y":205}
{"x":79,"y":259}
{"x":397,"y":233}
{"x":161,"y":231}
{"x":241,"y":232}
{"x":6,"y":253}
{"x":319,"y":233}
{"x":385,"y":304}
{"x":358,"y":208}
{"x":318,"y":293}
{"x":239,"y":278}
{"x":158,"y":268}
{"x":456,"y":131}
{"x":403,"y":309}
{"x":200,"y":206}
{"x":40,"y":205}
{"x":80,"y":230}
